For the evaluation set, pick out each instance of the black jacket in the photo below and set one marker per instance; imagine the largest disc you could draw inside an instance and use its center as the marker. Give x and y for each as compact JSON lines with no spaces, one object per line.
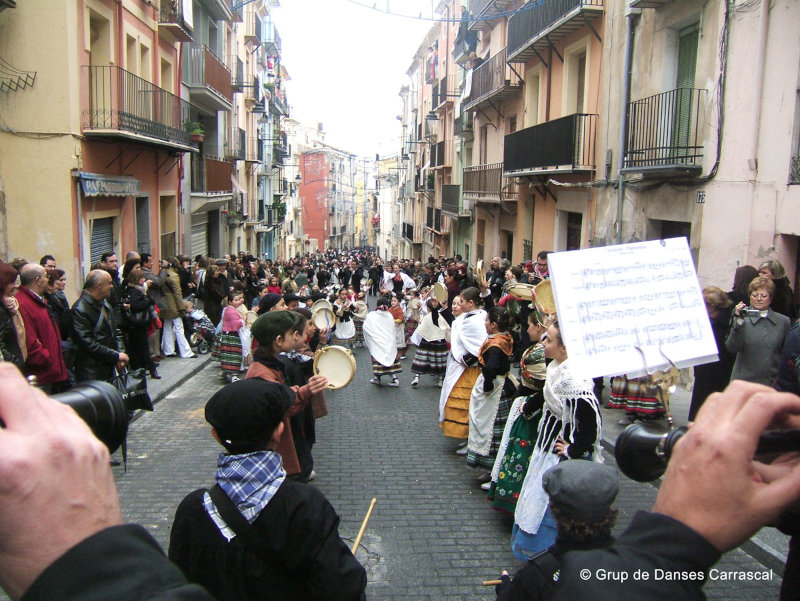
{"x":59,"y":308}
{"x":123,"y":563}
{"x":97,"y":349}
{"x":301,"y":530}
{"x":9,"y":346}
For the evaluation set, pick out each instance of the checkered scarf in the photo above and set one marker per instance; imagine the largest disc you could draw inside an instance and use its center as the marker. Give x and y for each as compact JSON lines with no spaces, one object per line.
{"x":250,"y":480}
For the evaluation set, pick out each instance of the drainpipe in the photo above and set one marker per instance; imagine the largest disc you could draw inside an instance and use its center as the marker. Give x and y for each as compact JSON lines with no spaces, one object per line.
{"x":623,"y":125}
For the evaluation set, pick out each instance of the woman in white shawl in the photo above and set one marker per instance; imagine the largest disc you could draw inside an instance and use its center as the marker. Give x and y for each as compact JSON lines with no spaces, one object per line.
{"x":569,"y":429}
{"x":380,"y":340}
{"x":468,"y":332}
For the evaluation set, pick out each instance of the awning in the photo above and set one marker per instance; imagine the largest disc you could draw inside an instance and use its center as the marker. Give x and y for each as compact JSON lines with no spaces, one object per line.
{"x":97,"y":184}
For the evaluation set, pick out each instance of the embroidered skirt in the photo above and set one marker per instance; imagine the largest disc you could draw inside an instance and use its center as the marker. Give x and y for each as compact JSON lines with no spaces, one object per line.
{"x":411,"y":327}
{"x":514,"y":464}
{"x":456,"y":411}
{"x":230,"y":351}
{"x":431,"y":358}
{"x":359,"y":331}
{"x":635,"y":396}
{"x":379,"y":369}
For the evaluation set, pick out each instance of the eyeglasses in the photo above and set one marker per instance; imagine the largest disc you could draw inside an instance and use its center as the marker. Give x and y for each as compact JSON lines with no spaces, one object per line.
{"x":759,"y":295}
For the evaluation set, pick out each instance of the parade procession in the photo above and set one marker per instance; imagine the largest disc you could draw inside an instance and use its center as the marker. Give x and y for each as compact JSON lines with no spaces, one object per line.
{"x":500,"y":301}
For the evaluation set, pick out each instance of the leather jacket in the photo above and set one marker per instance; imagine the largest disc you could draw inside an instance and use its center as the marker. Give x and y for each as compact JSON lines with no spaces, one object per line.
{"x":97,"y":350}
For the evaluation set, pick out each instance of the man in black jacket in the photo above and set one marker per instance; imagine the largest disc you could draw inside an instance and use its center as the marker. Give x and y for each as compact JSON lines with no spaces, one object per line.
{"x":94,"y":330}
{"x":258,"y":535}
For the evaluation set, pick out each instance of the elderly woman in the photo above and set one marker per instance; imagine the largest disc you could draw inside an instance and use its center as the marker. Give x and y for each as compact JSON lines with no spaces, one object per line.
{"x":757,"y":335}
{"x":782,"y":299}
{"x":713,"y":377}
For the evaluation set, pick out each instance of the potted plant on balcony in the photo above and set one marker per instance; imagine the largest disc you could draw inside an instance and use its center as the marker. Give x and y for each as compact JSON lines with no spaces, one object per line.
{"x":195,"y":128}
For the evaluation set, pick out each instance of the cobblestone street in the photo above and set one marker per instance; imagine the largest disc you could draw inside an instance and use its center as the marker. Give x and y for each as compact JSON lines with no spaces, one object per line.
{"x":432,"y":534}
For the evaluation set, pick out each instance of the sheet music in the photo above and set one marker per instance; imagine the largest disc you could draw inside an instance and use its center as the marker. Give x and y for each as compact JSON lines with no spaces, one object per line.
{"x":613,"y":299}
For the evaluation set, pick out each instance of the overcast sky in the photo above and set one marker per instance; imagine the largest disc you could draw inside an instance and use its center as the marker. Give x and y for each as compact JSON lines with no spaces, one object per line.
{"x":347,"y":64}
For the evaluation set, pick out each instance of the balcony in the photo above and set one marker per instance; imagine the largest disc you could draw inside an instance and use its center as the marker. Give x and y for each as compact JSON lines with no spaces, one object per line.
{"x":236,"y":145}
{"x":237,"y":79}
{"x":408,"y":231}
{"x":432,"y":69}
{"x":451,"y":199}
{"x":462,"y":126}
{"x":123,"y":105}
{"x":440,"y":156}
{"x":483,"y":182}
{"x":208,"y":79}
{"x":648,"y":3}
{"x":486,"y":13}
{"x":211,"y":175}
{"x":252,"y":27}
{"x":664,"y":134}
{"x":271,"y":40}
{"x":565,"y":145}
{"x":493,"y":81}
{"x":444,"y":92}
{"x":277,"y":103}
{"x":280,"y":146}
{"x":236,"y":15}
{"x":254,"y":152}
{"x":533,"y":30}
{"x":431,"y":129}
{"x":171,"y":19}
{"x":276,"y":213}
{"x":251,"y":92}
{"x":434,"y":219}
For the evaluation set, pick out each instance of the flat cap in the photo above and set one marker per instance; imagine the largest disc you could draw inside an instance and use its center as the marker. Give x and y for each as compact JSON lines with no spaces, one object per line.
{"x":583,"y":490}
{"x":246,"y":413}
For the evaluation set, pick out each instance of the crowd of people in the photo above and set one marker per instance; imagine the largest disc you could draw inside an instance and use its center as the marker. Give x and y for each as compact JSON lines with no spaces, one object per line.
{"x":497,"y":362}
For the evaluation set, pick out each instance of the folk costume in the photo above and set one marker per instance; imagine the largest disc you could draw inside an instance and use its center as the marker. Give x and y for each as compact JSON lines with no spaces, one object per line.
{"x":344,"y":332}
{"x":412,"y":317}
{"x":468,"y":332}
{"x":432,"y":352}
{"x":399,"y":330}
{"x":571,"y":412}
{"x":488,"y":407}
{"x":359,"y":315}
{"x":636,"y":396}
{"x":379,"y":336}
{"x":231,"y":354}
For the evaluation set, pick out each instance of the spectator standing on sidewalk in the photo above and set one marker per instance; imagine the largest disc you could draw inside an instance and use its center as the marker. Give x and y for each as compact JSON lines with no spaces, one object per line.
{"x":42,"y":336}
{"x":12,"y":329}
{"x":94,"y":332}
{"x":171,"y":316}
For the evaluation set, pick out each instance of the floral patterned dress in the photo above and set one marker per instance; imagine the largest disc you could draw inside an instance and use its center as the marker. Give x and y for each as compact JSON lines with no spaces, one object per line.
{"x":513,"y":465}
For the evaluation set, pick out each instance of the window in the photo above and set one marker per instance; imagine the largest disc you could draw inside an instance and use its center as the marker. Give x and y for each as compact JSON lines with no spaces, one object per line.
{"x":532,"y":97}
{"x":794,"y":174}
{"x":575,"y":62}
{"x":512,"y":125}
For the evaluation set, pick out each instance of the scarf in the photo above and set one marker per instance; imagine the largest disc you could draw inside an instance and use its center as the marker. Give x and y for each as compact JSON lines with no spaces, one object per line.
{"x":501,"y":340}
{"x":250,"y":480}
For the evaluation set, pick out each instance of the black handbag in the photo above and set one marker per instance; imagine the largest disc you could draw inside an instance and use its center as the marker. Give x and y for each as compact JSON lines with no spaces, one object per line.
{"x":137,"y":319}
{"x":132,"y":386}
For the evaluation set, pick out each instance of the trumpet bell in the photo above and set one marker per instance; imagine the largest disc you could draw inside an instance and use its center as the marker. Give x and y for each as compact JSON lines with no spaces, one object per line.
{"x":642,"y":452}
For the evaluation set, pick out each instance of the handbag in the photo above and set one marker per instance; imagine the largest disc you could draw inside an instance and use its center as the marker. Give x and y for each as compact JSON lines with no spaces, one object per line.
{"x":137,"y":319}
{"x":132,"y":386}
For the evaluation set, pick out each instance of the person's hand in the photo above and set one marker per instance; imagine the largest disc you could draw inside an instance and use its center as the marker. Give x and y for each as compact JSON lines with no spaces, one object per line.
{"x":122,"y":360}
{"x":738,"y":309}
{"x":561,"y":447}
{"x":56,"y":487}
{"x":10,"y":303}
{"x":505,"y":584}
{"x":317,"y":384}
{"x":712,"y":483}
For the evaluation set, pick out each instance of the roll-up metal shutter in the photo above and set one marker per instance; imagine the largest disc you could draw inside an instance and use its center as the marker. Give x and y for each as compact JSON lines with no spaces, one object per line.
{"x":102,"y":238}
{"x":200,"y":234}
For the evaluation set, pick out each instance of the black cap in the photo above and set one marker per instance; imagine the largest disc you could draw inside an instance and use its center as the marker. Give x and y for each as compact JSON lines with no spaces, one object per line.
{"x":246,"y":413}
{"x":583,"y":490}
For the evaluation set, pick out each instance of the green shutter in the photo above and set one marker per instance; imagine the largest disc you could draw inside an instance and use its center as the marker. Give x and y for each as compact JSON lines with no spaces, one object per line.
{"x":682,"y":134}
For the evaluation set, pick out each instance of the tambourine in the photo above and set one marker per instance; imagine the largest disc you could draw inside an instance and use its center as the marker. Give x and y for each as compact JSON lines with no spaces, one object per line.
{"x":521,"y":291}
{"x":479,"y":270}
{"x":323,"y":302}
{"x":250,"y":319}
{"x":544,"y":298}
{"x":439,"y":292}
{"x":323,"y":318}
{"x":335,"y":363}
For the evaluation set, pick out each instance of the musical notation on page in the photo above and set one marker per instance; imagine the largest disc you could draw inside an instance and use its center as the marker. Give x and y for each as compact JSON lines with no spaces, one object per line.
{"x":631,"y":308}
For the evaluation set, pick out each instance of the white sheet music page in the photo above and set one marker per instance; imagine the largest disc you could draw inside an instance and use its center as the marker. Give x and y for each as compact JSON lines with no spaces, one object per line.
{"x":615,"y":299}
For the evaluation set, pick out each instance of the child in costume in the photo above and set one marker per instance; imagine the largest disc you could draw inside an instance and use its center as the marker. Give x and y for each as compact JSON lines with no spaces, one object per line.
{"x":430,"y":338}
{"x":400,"y":336}
{"x":380,"y":338}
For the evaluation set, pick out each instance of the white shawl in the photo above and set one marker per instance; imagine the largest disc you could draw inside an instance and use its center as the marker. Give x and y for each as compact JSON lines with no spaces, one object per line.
{"x":563,"y":390}
{"x":467,"y":334}
{"x":380,"y":338}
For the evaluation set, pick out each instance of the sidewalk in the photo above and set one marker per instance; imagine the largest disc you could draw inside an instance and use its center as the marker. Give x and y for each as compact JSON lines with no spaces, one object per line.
{"x":768,"y":546}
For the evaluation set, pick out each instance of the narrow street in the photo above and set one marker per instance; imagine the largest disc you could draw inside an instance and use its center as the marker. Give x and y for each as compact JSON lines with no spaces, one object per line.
{"x":432,"y":534}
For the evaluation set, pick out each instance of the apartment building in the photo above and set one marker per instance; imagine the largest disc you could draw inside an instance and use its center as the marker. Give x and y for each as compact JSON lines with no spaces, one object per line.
{"x":710,"y":143}
{"x":95,"y":129}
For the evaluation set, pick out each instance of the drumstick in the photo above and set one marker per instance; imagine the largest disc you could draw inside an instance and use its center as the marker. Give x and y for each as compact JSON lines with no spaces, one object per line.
{"x":491,"y":582}
{"x":363,"y":526}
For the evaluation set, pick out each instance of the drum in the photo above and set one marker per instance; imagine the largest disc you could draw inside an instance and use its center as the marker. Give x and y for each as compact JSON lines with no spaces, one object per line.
{"x":439,"y":292}
{"x":324,"y":318}
{"x":521,"y":291}
{"x":335,"y":363}
{"x":250,"y":319}
{"x":544,"y":298}
{"x":323,"y":302}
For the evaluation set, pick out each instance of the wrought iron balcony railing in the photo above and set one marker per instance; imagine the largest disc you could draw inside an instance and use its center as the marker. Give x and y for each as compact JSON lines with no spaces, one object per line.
{"x":562,"y":145}
{"x":664,"y":133}
{"x":171,"y":19}
{"x":211,"y":175}
{"x":237,"y":79}
{"x":538,"y":24}
{"x":483,"y":182}
{"x":252,"y":26}
{"x":236,"y":145}
{"x":255,"y":151}
{"x":208,"y":76}
{"x":124,"y":104}
{"x":271,"y":39}
{"x":794,"y":176}
{"x":434,"y":219}
{"x":451,"y":199}
{"x":444,"y":91}
{"x":494,"y":81}
{"x":462,"y":126}
{"x":486,"y":13}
